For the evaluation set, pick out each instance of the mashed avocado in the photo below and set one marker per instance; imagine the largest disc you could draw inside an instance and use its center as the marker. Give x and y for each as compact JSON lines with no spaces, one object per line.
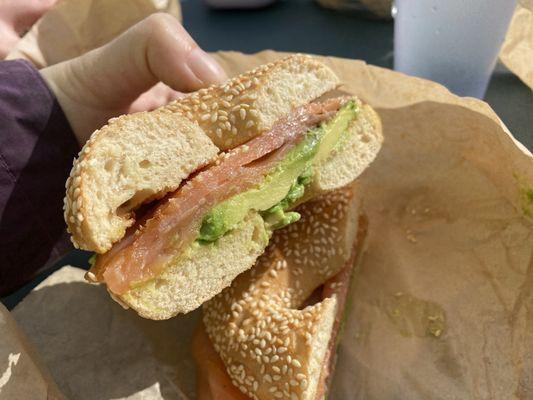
{"x":284,"y":185}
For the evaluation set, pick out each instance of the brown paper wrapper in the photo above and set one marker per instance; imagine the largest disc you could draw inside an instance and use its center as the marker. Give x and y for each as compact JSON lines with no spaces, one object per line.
{"x":22,"y":374}
{"x":517,"y":50}
{"x":441,"y":305}
{"x":94,"y":349}
{"x":73,"y":27}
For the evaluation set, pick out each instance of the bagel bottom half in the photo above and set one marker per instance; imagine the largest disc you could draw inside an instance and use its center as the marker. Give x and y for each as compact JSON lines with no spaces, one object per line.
{"x":272,"y":334}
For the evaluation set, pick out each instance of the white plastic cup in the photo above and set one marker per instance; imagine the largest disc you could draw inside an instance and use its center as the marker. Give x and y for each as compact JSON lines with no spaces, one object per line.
{"x":453,"y":42}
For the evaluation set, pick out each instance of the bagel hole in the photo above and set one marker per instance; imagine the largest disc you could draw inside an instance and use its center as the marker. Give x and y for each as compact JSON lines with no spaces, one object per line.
{"x":314,"y":298}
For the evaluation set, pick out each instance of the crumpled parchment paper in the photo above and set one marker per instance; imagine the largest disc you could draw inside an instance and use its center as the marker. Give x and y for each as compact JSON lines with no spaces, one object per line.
{"x":73,"y":27}
{"x":22,"y":373}
{"x":442,"y":299}
{"x":517,"y":49}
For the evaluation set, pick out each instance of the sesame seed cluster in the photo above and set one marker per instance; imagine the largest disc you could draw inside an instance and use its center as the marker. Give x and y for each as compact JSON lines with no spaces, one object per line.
{"x":73,"y":200}
{"x":229,"y":113}
{"x":256,"y":326}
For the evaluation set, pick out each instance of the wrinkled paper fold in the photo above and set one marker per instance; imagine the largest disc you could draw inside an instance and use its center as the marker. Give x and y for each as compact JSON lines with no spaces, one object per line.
{"x":440,"y":301}
{"x":517,"y":49}
{"x":441,"y":296}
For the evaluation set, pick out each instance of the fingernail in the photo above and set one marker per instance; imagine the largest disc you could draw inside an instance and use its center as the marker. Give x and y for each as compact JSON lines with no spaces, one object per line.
{"x":204,"y":67}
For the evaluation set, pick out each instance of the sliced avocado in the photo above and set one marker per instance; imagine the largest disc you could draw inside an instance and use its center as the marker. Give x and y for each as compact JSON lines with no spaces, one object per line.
{"x":274,"y":188}
{"x":284,"y":185}
{"x":336,"y":127}
{"x":92,"y":260}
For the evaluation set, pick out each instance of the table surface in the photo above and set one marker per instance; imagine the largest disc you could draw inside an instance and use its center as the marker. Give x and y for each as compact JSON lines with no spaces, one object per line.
{"x":303,"y":26}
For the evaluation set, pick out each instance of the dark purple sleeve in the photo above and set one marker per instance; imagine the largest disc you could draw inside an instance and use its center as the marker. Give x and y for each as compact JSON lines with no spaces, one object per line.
{"x":36,"y":151}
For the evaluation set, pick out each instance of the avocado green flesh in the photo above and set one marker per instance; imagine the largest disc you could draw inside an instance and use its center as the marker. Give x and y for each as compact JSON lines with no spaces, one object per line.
{"x":283,"y":185}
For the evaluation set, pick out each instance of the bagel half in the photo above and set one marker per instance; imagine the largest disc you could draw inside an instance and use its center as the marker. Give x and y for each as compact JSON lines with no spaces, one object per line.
{"x":272,"y":342}
{"x":190,"y":281}
{"x":162,"y":154}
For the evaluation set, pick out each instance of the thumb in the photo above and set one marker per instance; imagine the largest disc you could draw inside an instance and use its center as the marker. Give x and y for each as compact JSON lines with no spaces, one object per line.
{"x":105,"y":82}
{"x":156,"y":49}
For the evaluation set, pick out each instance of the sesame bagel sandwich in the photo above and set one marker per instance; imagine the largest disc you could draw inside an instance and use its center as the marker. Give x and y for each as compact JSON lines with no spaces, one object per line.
{"x":178,"y":201}
{"x":273,"y":333}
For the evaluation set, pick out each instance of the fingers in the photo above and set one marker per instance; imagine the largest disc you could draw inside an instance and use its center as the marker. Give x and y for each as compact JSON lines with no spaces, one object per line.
{"x":109,"y":81}
{"x":23,"y":14}
{"x":175,"y":59}
{"x":155,"y":97}
{"x":16,"y":17}
{"x":156,"y":49}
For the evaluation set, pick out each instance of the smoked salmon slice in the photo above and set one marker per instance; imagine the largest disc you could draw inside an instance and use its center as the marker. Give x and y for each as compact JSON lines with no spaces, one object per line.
{"x":175,"y":221}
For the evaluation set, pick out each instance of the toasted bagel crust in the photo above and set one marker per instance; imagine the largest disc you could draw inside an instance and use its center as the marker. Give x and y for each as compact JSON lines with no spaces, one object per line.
{"x":272,"y":349}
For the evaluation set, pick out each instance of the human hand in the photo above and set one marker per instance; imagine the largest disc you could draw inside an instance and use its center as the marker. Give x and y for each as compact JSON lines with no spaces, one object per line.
{"x":142,"y":69}
{"x":16,"y":17}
